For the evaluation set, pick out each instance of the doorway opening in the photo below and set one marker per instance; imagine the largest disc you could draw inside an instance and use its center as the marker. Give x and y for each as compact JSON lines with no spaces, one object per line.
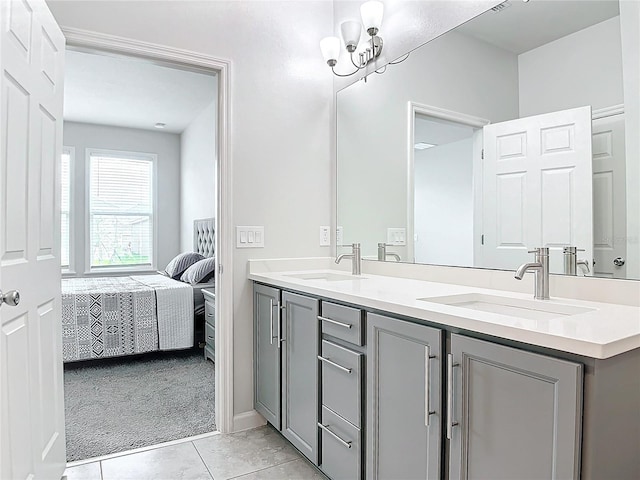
{"x":140,"y":218}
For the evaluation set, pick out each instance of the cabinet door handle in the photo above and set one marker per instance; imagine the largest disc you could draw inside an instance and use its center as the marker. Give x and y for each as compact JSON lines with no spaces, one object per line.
{"x":211,"y":314}
{"x":335,"y":322}
{"x":326,"y":360}
{"x":343,"y":442}
{"x":427,"y":385}
{"x":271,"y":318}
{"x":450,"y":422}
{"x":280,"y":339}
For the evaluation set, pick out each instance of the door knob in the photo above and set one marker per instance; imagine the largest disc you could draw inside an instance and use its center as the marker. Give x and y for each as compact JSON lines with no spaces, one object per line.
{"x":618,"y":261}
{"x":11,"y":298}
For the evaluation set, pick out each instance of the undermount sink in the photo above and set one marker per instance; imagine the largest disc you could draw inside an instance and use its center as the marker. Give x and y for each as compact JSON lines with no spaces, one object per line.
{"x":514,"y":307}
{"x":329,"y":277}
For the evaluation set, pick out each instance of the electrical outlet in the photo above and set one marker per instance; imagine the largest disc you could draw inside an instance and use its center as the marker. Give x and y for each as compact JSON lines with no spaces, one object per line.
{"x":397,"y":236}
{"x":325,"y":236}
{"x":339,"y":236}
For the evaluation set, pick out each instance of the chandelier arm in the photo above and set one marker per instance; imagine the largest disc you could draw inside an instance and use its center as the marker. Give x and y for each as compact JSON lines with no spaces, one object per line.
{"x":343,"y":75}
{"x":400,"y":61}
{"x":359,"y":67}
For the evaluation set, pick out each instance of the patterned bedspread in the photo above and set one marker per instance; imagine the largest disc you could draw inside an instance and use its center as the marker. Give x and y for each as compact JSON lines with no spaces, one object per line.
{"x":114,"y":316}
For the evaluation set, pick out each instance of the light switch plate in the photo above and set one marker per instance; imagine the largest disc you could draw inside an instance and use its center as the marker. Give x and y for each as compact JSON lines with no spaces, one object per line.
{"x":250,"y":236}
{"x":339,"y":236}
{"x":397,"y":236}
{"x":325,"y":236}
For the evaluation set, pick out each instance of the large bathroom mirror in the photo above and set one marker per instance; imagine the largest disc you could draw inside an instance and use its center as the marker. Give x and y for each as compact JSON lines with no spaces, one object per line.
{"x":502,"y":135}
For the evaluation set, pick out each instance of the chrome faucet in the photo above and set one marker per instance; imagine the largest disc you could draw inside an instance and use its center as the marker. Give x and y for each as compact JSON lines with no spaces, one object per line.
{"x":383,"y":254}
{"x":571,"y":261}
{"x":540,"y":266}
{"x":356,"y":258}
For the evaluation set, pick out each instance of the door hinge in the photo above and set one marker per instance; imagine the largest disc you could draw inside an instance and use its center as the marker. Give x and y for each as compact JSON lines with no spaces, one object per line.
{"x":220,"y":269}
{"x":482,"y":154}
{"x":482,"y":239}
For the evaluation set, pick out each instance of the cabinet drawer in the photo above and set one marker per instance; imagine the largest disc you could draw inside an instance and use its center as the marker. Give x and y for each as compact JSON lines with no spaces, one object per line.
{"x":342,"y":381}
{"x":341,"y":447}
{"x":210,"y":313}
{"x":342,"y":322}
{"x":209,"y":334}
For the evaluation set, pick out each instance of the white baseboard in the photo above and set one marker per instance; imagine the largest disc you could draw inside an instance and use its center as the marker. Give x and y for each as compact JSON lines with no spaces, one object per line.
{"x":247,"y":420}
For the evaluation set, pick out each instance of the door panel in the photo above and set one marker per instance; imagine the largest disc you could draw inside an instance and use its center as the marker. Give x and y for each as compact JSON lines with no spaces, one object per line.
{"x":32,"y":442}
{"x":300,"y":377}
{"x":267,"y":356}
{"x":609,"y":196}
{"x":518,"y":414}
{"x":403,"y":441}
{"x":537,"y":188}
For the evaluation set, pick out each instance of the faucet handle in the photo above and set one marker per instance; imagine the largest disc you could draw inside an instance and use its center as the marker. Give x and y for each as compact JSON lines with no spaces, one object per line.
{"x":540,"y":251}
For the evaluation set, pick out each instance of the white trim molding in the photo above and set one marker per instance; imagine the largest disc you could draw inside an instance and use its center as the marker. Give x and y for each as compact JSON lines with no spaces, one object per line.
{"x":247,"y":420}
{"x":607,"y":111}
{"x":111,"y":44}
{"x":442,"y":114}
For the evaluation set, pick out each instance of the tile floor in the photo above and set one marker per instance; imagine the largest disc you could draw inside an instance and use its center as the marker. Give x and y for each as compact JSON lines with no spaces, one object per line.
{"x":258,"y":454}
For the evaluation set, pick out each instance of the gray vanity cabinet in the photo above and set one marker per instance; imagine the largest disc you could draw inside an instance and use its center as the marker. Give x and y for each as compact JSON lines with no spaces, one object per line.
{"x":404,"y":414}
{"x":286,"y":365}
{"x":266,"y":353}
{"x":300,"y":373}
{"x":513,"y":414}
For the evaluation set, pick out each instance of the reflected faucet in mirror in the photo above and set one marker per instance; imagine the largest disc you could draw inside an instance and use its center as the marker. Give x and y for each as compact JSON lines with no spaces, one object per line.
{"x":355,"y":256}
{"x":571,"y":262}
{"x":540,"y":267}
{"x":383,"y":254}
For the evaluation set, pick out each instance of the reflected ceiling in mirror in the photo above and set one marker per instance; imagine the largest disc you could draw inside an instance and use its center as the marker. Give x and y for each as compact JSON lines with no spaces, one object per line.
{"x":502,"y":135}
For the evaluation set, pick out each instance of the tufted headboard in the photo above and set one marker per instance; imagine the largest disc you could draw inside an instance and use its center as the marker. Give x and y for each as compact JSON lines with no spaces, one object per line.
{"x":203,"y":236}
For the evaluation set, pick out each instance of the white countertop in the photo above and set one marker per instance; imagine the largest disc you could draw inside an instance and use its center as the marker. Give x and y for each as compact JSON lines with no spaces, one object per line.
{"x":602,"y":332}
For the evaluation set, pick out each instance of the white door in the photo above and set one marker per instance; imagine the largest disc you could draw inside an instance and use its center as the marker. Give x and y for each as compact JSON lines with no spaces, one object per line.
{"x":32,"y":438}
{"x":609,"y":196}
{"x":537,"y":188}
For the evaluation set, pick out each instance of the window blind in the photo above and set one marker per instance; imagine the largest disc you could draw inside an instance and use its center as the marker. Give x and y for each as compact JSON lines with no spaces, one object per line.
{"x":120,"y":211}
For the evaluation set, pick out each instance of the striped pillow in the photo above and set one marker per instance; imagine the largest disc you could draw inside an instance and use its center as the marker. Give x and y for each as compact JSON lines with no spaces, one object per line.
{"x":199,"y":272}
{"x":180,"y":263}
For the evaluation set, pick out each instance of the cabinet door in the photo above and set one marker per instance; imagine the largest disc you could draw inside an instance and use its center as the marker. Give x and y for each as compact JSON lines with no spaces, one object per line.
{"x":518,"y":414}
{"x":403,"y":399}
{"x":266,"y":353}
{"x":300,"y":373}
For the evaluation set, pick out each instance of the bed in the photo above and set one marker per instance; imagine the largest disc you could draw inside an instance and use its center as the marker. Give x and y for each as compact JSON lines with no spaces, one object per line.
{"x":115,"y":316}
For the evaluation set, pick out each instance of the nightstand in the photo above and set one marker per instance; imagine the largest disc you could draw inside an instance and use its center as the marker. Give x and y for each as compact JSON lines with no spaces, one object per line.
{"x":209,"y":323}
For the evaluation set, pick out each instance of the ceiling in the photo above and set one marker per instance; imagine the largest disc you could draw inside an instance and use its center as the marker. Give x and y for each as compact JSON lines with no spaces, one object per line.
{"x":516,"y":27}
{"x":132,"y":92}
{"x":439,"y":132}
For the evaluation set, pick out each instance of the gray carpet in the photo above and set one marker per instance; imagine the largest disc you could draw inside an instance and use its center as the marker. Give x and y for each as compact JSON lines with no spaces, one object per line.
{"x":120,"y":404}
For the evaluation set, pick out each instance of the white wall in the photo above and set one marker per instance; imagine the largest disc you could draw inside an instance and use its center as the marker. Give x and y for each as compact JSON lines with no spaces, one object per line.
{"x":584,"y":68}
{"x":198,"y":172}
{"x":443,"y":177}
{"x":281,"y":116}
{"x":454,"y":72}
{"x":166,"y":145}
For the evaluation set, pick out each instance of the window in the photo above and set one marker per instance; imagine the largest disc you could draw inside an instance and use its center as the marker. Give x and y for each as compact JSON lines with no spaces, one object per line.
{"x":121,"y":209}
{"x":65,"y":207}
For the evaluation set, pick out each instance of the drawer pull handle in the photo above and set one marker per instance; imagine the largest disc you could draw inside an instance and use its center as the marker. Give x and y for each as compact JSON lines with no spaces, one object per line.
{"x":335,"y":322}
{"x":343,"y":442}
{"x":209,"y":314}
{"x":326,"y":360}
